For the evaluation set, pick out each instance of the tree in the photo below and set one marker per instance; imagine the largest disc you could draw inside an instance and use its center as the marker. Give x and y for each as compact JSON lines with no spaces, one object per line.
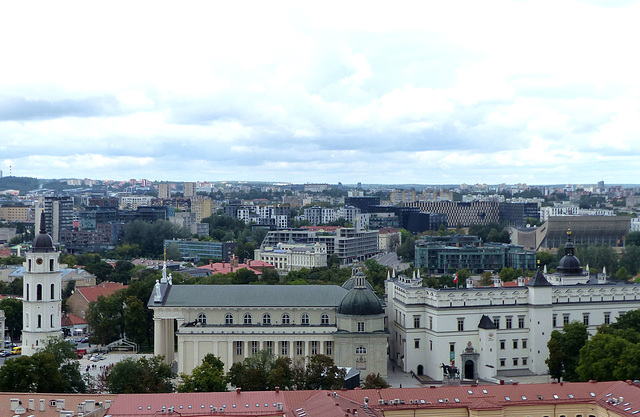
{"x":486,"y":279}
{"x":333,"y":261}
{"x":321,"y":373}
{"x":463,"y":274}
{"x":66,"y":357}
{"x":208,"y":377}
{"x":100,"y":269}
{"x":633,"y":238}
{"x":507,"y":274}
{"x":630,"y":259}
{"x":144,"y":375}
{"x":135,"y":320}
{"x":546,"y":258}
{"x":600,"y":356}
{"x":252,"y":374}
{"x":122,"y":272}
{"x":13,"y":316}
{"x":563,"y":361}
{"x":105,"y":317}
{"x":173,"y":251}
{"x":374,"y":381}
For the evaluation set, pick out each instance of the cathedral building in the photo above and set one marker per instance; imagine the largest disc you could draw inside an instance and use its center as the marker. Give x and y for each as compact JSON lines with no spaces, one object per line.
{"x":42,"y":294}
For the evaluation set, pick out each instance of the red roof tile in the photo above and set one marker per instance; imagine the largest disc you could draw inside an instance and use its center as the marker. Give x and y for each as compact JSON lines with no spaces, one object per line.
{"x":105,"y":289}
{"x":69,"y":319}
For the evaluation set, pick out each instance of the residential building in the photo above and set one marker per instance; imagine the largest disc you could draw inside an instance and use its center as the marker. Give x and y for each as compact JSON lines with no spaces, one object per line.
{"x":14,"y":213}
{"x":164,"y":191}
{"x":132,"y":202}
{"x":234,"y":322}
{"x":362,"y":202}
{"x":58,"y":216}
{"x":199,"y":250}
{"x":462,"y":214}
{"x":201,"y":207}
{"x":315,"y":188}
{"x":389,"y":239}
{"x":190,"y":189}
{"x":287,"y":257}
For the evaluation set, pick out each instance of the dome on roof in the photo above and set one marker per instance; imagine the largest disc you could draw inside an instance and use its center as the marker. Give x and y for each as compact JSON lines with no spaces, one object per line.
{"x":360,"y":301}
{"x":569,"y":264}
{"x":42,"y":242}
{"x":351,"y":282}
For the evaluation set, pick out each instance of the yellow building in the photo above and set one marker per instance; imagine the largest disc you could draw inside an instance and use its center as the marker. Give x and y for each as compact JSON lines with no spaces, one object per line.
{"x":14,"y":214}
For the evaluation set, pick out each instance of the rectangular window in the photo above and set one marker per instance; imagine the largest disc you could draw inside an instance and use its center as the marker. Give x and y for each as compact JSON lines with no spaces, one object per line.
{"x":416,"y":322}
{"x":284,"y":348}
{"x":452,"y":347}
{"x":299,"y":348}
{"x":254,"y":347}
{"x":554,"y":320}
{"x":430,"y":323}
{"x":329,"y":348}
{"x":565,"y":319}
{"x":503,"y":362}
{"x":525,"y":361}
{"x":416,"y":343}
{"x":268,"y":346}
{"x":585,"y":319}
{"x":239,"y":348}
{"x":508,"y":322}
{"x":524,"y":343}
{"x":515,"y":343}
{"x":496,"y":321}
{"x":503,"y":344}
{"x":431,"y":345}
{"x":515,"y":361}
{"x":314,"y":347}
{"x":607,"y":318}
{"x":461,"y":324}
{"x":361,"y":326}
{"x":520,"y":322}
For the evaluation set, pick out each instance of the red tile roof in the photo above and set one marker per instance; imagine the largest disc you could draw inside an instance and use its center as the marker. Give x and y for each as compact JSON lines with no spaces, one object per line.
{"x":105,"y":289}
{"x":71,"y":402}
{"x":225,"y":267}
{"x":69,"y":319}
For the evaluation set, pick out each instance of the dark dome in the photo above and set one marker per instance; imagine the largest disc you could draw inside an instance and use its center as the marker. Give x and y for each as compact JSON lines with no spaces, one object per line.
{"x":569,"y":264}
{"x":360,"y":302}
{"x":42,"y":242}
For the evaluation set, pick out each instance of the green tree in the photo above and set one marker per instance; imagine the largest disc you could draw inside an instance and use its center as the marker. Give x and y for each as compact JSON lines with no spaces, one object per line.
{"x":65,"y":355}
{"x":100,"y":269}
{"x":150,"y":237}
{"x":322,"y":373}
{"x":486,"y":279}
{"x":375,"y":381}
{"x":563,"y":361}
{"x":508,"y":274}
{"x":253,"y":373}
{"x":630,"y":259}
{"x":144,"y":375}
{"x":333,"y":261}
{"x":12,"y":308}
{"x":208,"y":377}
{"x":105,"y":317}
{"x":633,"y":238}
{"x":600,"y":357}
{"x":173,"y":251}
{"x":463,"y":274}
{"x":135,"y":320}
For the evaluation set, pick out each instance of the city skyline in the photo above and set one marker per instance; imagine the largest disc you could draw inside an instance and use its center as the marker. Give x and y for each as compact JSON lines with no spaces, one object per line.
{"x":514,"y":92}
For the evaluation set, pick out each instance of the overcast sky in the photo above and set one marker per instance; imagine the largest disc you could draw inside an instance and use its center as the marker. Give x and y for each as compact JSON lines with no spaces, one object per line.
{"x":433,"y":92}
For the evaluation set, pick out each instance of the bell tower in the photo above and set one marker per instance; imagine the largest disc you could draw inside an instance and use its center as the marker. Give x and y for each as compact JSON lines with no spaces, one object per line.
{"x":42,"y":294}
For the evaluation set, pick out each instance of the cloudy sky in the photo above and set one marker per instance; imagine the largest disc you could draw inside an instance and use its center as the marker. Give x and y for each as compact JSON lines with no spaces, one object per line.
{"x":437,"y":92}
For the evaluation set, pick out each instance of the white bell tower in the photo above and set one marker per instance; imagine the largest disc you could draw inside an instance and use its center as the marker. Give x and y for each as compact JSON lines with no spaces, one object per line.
{"x":42,"y":294}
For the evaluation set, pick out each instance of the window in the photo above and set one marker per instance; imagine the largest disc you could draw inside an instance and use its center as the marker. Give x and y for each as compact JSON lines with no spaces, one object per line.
{"x":268,"y":346}
{"x":28,"y":289}
{"x":515,"y":361}
{"x":202,"y":318}
{"x":254,"y":347}
{"x":299,"y":347}
{"x":565,"y":319}
{"x":53,"y":291}
{"x":238,"y":348}
{"x":585,"y":319}
{"x":430,"y":323}
{"x":361,"y":326}
{"x":286,"y":319}
{"x":461,"y":324}
{"x":502,"y":344}
{"x":524,"y":343}
{"x":50,"y":264}
{"x":51,"y":321}
{"x":416,"y":343}
{"x":329,"y":348}
{"x":284,"y":348}
{"x":554,"y":320}
{"x":496,"y":321}
{"x":515,"y":343}
{"x":520,"y":322}
{"x":452,"y":347}
{"x":525,"y":361}
{"x":416,"y":322}
{"x":361,"y":350}
{"x":324,"y":319}
{"x":39,"y":292}
{"x":266,"y":319}
{"x":508,"y":322}
{"x":247,"y":318}
{"x":39,"y":321}
{"x":228,"y":318}
{"x":305,"y":319}
{"x":503,"y":362}
{"x":607,"y":318}
{"x":314,"y":347}
{"x":431,"y":345}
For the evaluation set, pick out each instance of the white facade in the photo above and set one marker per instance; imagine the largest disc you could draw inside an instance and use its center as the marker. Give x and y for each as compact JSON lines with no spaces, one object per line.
{"x":571,"y":210}
{"x":42,"y":302}
{"x":429,"y":326}
{"x":132,"y":202}
{"x":287,"y":257}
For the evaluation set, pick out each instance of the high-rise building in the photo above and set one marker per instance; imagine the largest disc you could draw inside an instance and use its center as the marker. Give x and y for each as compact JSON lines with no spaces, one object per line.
{"x":42,"y":289}
{"x":58,"y":216}
{"x":164,"y":191}
{"x":189,"y":189}
{"x":201,"y":207}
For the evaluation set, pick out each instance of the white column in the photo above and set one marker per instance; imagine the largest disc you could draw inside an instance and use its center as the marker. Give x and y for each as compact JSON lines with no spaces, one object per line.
{"x":159,"y":337}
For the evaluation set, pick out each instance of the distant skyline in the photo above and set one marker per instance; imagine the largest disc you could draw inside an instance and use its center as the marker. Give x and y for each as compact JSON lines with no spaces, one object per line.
{"x":536,"y":92}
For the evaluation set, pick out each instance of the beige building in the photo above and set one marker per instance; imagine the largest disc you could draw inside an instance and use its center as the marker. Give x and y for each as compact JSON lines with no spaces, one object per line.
{"x":235,"y":321}
{"x":189,"y":189}
{"x":202,"y":207}
{"x":287,"y":257}
{"x":164,"y":191}
{"x":14,"y":214}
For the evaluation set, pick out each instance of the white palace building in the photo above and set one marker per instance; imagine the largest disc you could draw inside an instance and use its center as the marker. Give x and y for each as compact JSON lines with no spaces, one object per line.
{"x":496,"y":332}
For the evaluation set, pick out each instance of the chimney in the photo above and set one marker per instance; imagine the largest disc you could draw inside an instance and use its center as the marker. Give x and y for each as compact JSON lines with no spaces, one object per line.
{"x":238,"y":390}
{"x":32,"y":404}
{"x":42,"y":405}
{"x":521,"y":281}
{"x":107,"y":404}
{"x":90,"y":406}
{"x":14,"y":402}
{"x":60,"y":404}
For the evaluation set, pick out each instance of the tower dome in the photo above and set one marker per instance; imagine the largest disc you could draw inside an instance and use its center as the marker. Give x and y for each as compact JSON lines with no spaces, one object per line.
{"x":42,"y":241}
{"x":569,"y":264}
{"x":360,"y":300}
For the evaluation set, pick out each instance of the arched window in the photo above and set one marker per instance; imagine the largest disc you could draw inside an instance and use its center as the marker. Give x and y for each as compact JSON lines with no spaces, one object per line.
{"x":51,"y":321}
{"x":247,"y":318}
{"x":228,"y":318}
{"x":286,"y":318}
{"x":202,"y":318}
{"x":39,"y":321}
{"x":39,"y":293}
{"x":304,"y":319}
{"x":266,"y":319}
{"x":53,"y":291}
{"x":324,"y":319}
{"x":360,"y":350}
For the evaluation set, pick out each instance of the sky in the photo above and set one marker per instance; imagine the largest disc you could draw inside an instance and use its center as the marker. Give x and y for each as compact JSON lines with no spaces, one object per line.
{"x":425,"y":92}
